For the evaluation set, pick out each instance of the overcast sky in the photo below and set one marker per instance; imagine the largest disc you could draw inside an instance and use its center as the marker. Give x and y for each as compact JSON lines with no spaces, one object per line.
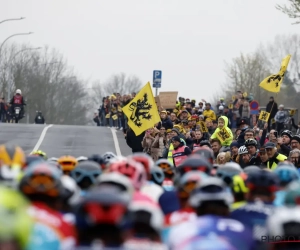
{"x":188,"y":40}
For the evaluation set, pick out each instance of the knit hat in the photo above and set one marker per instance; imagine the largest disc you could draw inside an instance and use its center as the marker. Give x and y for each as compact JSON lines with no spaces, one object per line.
{"x":296,"y":138}
{"x":176,"y":138}
{"x":234,"y":144}
{"x":176,"y":130}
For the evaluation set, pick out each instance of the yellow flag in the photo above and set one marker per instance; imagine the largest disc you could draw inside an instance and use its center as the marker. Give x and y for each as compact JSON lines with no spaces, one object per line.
{"x":223,"y":135}
{"x":264,"y":116}
{"x":114,"y":117}
{"x":273,"y":83}
{"x":142,"y":112}
{"x":203,"y":127}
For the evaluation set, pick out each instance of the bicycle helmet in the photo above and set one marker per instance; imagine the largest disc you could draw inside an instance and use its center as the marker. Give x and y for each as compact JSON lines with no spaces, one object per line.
{"x":71,"y":191}
{"x":145,"y":160}
{"x":251,"y":142}
{"x":250,"y":169}
{"x":188,"y":182}
{"x":11,"y":155}
{"x":194,"y":162}
{"x":98,"y":159}
{"x":227,"y":172}
{"x":208,"y":154}
{"x":86,"y":173}
{"x":210,"y":189}
{"x":135,"y":171}
{"x":41,"y":179}
{"x":292,"y":196}
{"x":146,"y":215}
{"x":52,"y":159}
{"x":238,"y":185}
{"x":107,"y":157}
{"x":287,"y":174}
{"x":102,"y":207}
{"x":40,"y":153}
{"x":32,"y":159}
{"x":16,"y":223}
{"x":67,"y":163}
{"x":166,"y":166}
{"x":157,"y":175}
{"x":262,"y":181}
{"x":116,"y":179}
{"x":287,"y":133}
{"x":284,"y":224}
{"x":243,"y":150}
{"x":81,"y":158}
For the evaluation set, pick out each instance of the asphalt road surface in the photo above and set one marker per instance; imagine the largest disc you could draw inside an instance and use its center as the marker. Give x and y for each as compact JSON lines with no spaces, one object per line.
{"x":57,"y":140}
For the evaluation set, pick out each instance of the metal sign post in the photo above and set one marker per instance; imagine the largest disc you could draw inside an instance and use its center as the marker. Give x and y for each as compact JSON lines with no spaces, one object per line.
{"x":157,"y":74}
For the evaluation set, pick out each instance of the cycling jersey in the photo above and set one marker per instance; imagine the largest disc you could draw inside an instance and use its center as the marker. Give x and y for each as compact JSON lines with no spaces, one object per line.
{"x":211,"y":232}
{"x":279,"y":198}
{"x":254,"y":215}
{"x":143,"y":244}
{"x":51,"y":231}
{"x":176,"y":218}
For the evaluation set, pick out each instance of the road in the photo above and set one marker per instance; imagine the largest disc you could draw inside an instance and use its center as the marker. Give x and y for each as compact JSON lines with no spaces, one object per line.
{"x":57,"y":140}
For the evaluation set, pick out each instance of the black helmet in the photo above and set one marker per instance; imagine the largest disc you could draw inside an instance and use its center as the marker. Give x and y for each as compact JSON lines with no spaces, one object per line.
{"x":287,"y":133}
{"x":251,"y":142}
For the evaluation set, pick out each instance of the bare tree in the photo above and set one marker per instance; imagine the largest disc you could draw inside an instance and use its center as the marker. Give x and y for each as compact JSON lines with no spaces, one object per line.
{"x":293,"y":10}
{"x":121,"y":84}
{"x":49,"y":85}
{"x":245,"y":73}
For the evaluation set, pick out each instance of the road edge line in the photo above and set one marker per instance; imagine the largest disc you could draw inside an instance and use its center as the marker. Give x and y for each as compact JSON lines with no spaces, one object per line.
{"x":116,"y":142}
{"x":42,"y":136}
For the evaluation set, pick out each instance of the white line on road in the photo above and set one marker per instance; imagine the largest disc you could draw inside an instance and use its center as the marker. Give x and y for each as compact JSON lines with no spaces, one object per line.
{"x":43,"y":134}
{"x":116,"y":142}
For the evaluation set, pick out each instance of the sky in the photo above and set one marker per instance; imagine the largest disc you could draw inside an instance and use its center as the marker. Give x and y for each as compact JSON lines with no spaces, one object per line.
{"x":188,"y":40}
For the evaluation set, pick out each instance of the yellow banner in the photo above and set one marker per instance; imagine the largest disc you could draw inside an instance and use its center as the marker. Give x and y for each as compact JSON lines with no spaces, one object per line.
{"x":264,"y":116}
{"x":230,"y":106}
{"x":273,"y":83}
{"x":223,"y":135}
{"x":292,"y":112}
{"x":114,"y":117}
{"x":142,"y":112}
{"x":107,"y":116}
{"x":203,"y":127}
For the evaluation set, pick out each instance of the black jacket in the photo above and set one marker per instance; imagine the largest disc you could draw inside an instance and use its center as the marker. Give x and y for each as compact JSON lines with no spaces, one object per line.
{"x":166,"y":123}
{"x":39,"y":119}
{"x":274,"y":109}
{"x":134,"y":142}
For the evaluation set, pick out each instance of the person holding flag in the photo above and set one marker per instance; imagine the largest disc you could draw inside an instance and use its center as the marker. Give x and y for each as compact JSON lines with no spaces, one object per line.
{"x":141,"y":111}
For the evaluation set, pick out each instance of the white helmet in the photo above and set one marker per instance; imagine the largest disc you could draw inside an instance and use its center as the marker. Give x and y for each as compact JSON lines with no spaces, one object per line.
{"x":71,"y":189}
{"x":221,"y":107}
{"x":242,"y":150}
{"x":18,"y":91}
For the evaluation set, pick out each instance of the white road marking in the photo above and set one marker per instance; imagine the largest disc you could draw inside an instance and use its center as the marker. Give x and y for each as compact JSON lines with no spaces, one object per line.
{"x":43,"y":134}
{"x":116,"y":142}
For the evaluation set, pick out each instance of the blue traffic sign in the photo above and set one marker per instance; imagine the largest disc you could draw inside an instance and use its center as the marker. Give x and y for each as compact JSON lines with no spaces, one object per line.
{"x":157,"y":79}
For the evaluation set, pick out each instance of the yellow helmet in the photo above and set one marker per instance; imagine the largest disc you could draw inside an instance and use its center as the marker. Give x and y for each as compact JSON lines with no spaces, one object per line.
{"x":67,"y":163}
{"x":39,"y":153}
{"x":11,"y":155}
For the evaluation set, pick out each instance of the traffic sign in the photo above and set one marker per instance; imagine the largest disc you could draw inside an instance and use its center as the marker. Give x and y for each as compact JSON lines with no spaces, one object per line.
{"x":254,"y":105}
{"x":157,"y":79}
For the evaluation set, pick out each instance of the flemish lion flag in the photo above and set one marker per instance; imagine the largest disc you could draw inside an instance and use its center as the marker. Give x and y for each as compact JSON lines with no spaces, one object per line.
{"x":273,"y":83}
{"x":142,"y":112}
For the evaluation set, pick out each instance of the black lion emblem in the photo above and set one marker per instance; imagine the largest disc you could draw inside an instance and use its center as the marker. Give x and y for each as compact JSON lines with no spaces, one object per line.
{"x":140,"y":111}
